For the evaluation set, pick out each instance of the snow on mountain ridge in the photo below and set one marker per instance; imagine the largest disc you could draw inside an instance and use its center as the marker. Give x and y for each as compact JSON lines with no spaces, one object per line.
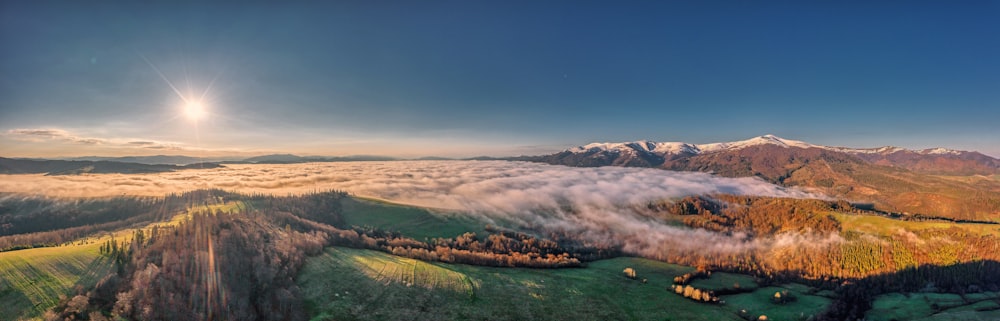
{"x":673,"y":148}
{"x":940,"y":151}
{"x":759,"y":140}
{"x":681,"y":147}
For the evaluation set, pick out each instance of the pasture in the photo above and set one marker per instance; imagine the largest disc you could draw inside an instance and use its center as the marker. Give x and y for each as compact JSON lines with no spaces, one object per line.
{"x":352,"y":284}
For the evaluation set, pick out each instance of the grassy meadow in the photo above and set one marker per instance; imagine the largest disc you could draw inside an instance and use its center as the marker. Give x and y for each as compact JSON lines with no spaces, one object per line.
{"x":352,"y":284}
{"x":935,"y":306}
{"x":884,"y":226}
{"x":33,"y":280}
{"x":414,"y":222}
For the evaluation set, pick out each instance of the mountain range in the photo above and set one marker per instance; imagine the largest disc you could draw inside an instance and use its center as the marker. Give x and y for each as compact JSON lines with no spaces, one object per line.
{"x":935,"y":182}
{"x":678,"y":155}
{"x":75,"y":167}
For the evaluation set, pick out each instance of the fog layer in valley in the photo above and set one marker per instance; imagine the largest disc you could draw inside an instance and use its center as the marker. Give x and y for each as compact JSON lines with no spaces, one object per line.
{"x":607,"y":202}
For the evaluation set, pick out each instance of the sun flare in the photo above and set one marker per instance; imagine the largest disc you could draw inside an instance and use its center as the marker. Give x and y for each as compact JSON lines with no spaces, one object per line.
{"x":194,"y":110}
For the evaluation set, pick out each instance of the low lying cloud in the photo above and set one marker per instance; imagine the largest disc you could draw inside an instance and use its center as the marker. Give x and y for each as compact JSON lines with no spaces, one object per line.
{"x":608,"y":202}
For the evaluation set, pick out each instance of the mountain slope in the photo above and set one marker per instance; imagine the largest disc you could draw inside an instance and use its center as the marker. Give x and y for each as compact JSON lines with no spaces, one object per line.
{"x":935,"y":182}
{"x":938,"y":161}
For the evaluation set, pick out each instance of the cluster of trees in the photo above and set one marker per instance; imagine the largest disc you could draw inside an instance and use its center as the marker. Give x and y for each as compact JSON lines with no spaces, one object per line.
{"x":500,"y":249}
{"x":854,"y":298}
{"x":682,"y":286}
{"x":812,"y":245}
{"x":215,"y":266}
{"x":240,"y":265}
{"x":41,"y":222}
{"x":495,"y":250}
{"x":700,"y":272}
{"x":695,"y":294}
{"x":756,"y":215}
{"x":59,"y":237}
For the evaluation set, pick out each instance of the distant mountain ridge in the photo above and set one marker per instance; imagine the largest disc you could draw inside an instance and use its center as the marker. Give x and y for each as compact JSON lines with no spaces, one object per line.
{"x":154,"y":164}
{"x":65,"y":167}
{"x":943,"y":182}
{"x":156,"y":159}
{"x":293,"y":159}
{"x":663,"y":154}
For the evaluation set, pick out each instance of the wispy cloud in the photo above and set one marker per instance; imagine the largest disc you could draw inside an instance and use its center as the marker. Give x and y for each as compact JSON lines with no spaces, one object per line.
{"x":51,"y":135}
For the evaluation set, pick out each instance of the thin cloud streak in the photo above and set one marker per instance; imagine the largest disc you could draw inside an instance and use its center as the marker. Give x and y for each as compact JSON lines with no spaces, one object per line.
{"x":55,"y":135}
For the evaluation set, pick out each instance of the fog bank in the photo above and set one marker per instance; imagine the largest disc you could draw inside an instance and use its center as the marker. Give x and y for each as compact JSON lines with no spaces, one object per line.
{"x":607,"y":202}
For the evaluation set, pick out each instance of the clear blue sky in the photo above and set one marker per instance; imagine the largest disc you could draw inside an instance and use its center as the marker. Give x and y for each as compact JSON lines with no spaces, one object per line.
{"x":463,"y":78}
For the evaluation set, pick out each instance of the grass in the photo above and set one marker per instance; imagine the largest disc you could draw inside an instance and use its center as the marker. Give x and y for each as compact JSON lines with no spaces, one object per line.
{"x":760,"y":302}
{"x":722,"y":280}
{"x":32,"y":280}
{"x":390,"y":269}
{"x":351,"y":284}
{"x":884,"y":226}
{"x":935,"y":306}
{"x":415,"y":222}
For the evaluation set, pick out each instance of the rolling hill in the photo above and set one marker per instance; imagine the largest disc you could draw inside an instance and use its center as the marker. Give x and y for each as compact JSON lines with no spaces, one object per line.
{"x":934,"y":182}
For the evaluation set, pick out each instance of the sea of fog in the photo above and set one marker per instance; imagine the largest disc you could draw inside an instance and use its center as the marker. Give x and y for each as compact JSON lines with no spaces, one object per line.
{"x":605,"y":200}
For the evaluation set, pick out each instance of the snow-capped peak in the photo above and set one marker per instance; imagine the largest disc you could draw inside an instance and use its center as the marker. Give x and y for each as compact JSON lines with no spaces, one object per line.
{"x":673,"y":148}
{"x":594,"y":147}
{"x":877,"y":150}
{"x":940,"y":151}
{"x":680,"y":147}
{"x":759,"y":140}
{"x":642,"y":145}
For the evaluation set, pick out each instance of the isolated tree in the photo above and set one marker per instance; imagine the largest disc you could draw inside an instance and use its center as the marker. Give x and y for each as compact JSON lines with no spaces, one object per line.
{"x":629,"y":273}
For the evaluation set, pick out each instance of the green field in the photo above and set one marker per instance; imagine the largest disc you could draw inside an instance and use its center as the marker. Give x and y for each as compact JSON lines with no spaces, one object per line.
{"x":722,"y":280}
{"x":351,"y":284}
{"x":935,"y":306}
{"x":31,"y":281}
{"x":414,"y":222}
{"x":760,"y":302}
{"x":885,"y":226}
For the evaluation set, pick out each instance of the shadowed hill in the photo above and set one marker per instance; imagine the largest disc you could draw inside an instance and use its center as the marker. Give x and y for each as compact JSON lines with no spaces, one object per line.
{"x":63,"y":167}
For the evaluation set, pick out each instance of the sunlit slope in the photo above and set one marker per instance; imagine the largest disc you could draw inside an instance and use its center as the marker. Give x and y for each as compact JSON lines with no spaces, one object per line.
{"x":31,"y":281}
{"x":884,"y":226}
{"x":350,"y":284}
{"x":414,"y":222}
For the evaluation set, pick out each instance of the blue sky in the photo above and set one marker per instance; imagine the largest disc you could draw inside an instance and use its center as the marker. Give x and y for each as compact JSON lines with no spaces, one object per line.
{"x":466,"y":78}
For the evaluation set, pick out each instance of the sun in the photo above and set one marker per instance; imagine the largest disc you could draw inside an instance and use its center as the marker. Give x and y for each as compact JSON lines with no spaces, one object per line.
{"x":194,"y":110}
